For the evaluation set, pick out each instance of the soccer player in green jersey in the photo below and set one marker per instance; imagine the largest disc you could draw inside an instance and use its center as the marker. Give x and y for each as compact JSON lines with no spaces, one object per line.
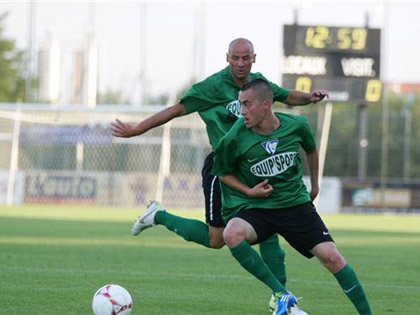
{"x":216,"y":101}
{"x":259,"y":166}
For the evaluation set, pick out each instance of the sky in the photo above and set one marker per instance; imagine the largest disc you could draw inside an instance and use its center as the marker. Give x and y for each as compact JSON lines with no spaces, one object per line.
{"x":164,"y":54}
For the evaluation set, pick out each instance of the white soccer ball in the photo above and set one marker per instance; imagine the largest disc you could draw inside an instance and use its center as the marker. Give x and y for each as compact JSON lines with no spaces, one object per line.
{"x":112,"y":299}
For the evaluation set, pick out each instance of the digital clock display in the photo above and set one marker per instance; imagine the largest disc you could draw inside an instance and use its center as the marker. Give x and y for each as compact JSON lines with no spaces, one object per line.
{"x":341,"y":38}
{"x":318,"y":38}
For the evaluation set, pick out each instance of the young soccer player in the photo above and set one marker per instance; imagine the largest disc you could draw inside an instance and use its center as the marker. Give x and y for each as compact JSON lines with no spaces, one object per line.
{"x":263,"y":194}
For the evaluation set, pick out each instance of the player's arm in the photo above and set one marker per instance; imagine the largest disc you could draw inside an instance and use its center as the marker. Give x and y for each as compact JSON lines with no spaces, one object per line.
{"x":296,"y":98}
{"x":225,"y":160}
{"x":313,"y":163}
{"x":126,"y":130}
{"x":261,"y":190}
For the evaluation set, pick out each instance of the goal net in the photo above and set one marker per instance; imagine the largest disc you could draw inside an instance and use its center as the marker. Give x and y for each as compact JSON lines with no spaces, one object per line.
{"x":67,"y":155}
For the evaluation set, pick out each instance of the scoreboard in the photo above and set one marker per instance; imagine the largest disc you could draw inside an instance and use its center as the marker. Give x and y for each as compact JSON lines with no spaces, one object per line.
{"x":343,"y":60}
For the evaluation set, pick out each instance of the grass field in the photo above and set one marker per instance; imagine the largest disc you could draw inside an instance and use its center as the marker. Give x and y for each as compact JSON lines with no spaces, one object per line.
{"x":52,"y":260}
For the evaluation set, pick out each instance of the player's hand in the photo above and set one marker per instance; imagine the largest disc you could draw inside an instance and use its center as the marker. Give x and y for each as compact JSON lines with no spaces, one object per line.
{"x":123,"y":130}
{"x":261,"y":190}
{"x":314,"y":193}
{"x":319,"y":95}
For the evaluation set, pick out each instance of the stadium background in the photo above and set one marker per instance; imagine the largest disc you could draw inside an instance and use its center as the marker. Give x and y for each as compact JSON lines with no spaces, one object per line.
{"x":54,"y":133}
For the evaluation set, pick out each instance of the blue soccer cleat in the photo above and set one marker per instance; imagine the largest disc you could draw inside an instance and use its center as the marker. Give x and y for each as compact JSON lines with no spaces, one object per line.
{"x":284,"y":302}
{"x":294,"y":310}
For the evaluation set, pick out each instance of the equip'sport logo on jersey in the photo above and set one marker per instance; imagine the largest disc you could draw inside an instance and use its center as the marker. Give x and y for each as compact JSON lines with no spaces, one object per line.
{"x":274,"y":165}
{"x":234,"y":108}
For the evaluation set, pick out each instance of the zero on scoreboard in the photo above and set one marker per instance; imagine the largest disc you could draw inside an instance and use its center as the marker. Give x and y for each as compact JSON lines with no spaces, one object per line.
{"x":343,"y":60}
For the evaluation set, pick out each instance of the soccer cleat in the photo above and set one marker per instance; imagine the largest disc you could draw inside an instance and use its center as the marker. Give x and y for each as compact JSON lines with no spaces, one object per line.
{"x":284,"y":302}
{"x":294,"y":310}
{"x":147,"y":219}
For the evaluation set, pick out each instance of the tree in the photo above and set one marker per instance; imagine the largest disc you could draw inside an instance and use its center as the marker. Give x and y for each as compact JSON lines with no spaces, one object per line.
{"x":111,"y":97}
{"x":12,"y":83}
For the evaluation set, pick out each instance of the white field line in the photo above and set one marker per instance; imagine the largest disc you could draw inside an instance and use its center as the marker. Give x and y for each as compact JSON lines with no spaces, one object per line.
{"x":193,"y":276}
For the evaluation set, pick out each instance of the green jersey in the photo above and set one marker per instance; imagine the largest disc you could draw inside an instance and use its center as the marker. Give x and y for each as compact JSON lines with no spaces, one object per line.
{"x":253,"y":157}
{"x":216,"y":101}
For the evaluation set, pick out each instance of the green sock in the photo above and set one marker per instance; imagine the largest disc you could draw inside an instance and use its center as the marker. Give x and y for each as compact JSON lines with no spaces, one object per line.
{"x":253,"y":263}
{"x":273,"y":255}
{"x":191,"y":230}
{"x":351,"y":286}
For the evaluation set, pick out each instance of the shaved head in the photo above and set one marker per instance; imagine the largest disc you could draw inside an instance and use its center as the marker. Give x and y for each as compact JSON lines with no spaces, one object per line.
{"x":241,"y":41}
{"x":240,"y":58}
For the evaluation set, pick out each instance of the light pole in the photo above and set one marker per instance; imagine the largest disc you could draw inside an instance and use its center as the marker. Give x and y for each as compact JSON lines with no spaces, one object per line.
{"x":407,"y":135}
{"x":385,"y":109}
{"x":30,"y":57}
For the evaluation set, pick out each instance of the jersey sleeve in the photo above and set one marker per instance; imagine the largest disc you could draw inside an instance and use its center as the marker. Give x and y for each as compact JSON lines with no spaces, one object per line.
{"x":279,"y":94}
{"x":308,"y":137}
{"x":200,"y":96}
{"x":226,"y":153}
